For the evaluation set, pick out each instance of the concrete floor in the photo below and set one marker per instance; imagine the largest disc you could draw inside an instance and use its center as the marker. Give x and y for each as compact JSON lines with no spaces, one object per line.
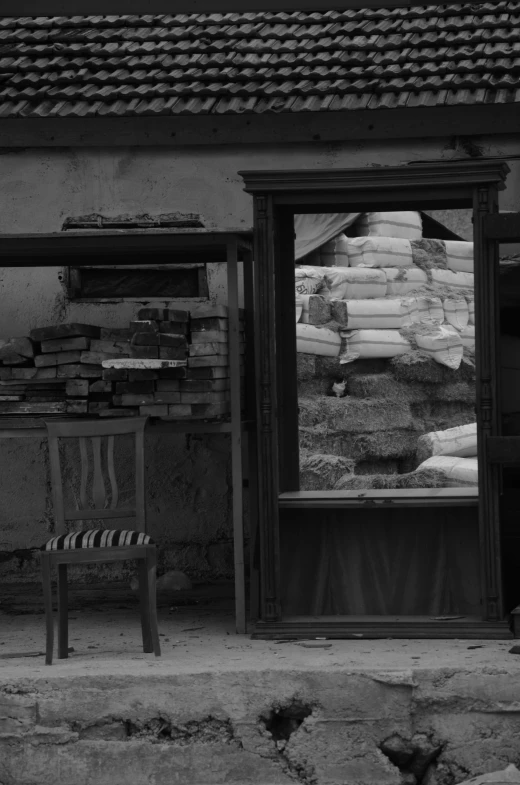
{"x":217,"y":707}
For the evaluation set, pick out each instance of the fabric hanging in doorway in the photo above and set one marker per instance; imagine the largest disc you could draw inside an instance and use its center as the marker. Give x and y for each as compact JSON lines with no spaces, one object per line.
{"x":314,"y":230}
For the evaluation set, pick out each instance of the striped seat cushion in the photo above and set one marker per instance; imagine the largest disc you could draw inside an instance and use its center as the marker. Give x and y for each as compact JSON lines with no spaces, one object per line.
{"x":97,"y":538}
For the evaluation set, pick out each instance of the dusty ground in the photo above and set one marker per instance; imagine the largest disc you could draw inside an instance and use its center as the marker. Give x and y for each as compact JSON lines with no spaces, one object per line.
{"x":220,"y":708}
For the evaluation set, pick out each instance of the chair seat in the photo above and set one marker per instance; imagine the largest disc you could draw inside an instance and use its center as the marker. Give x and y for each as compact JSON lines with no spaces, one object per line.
{"x":97,"y":538}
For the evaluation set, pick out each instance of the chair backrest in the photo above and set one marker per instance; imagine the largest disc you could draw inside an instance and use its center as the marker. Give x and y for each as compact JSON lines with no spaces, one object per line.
{"x":97,"y":431}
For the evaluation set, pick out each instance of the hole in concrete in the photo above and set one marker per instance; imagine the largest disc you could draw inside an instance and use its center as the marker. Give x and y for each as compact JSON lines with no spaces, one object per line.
{"x":414,"y":758}
{"x":284,"y":721}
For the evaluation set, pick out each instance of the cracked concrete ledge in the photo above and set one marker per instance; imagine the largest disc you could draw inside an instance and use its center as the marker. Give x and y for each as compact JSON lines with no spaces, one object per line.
{"x":106,"y":722}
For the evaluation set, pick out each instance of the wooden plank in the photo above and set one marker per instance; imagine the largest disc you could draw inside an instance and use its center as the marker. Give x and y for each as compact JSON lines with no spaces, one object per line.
{"x":140,"y":7}
{"x":402,"y":493}
{"x":504,"y":227}
{"x":283,"y":128}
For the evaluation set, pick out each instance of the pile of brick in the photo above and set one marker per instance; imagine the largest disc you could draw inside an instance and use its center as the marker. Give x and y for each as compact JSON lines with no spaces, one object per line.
{"x":77,"y":369}
{"x":197,"y":389}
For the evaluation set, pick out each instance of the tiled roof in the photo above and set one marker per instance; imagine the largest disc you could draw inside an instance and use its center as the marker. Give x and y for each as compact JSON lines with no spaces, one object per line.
{"x":86,"y":66}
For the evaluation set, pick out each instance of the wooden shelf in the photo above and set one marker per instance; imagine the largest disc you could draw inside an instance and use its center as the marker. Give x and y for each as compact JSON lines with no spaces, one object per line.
{"x":413,"y":497}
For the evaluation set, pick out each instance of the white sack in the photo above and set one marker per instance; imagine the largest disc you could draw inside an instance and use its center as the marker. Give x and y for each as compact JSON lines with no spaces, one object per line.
{"x":464,"y":470}
{"x":471,"y":310}
{"x":467,"y":336}
{"x":379,"y":252}
{"x":312,"y":230}
{"x":317,"y":340}
{"x":355,"y":283}
{"x":404,"y":224}
{"x":307,"y":280}
{"x":402,"y":281}
{"x":429,"y":309}
{"x":460,"y":442}
{"x":455,"y":280}
{"x":459,"y":256}
{"x":364,"y":344}
{"x":380,"y":314}
{"x":456,"y":312}
{"x":299,"y":308}
{"x":335,"y":252}
{"x":444,"y":346}
{"x":508,"y":776}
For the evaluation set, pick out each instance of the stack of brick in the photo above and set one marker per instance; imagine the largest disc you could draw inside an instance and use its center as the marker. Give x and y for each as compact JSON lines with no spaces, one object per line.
{"x":205,"y":392}
{"x":157,"y":334}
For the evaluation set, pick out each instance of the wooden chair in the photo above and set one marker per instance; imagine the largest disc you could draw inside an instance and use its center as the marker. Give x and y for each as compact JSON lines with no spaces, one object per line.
{"x":98,"y":545}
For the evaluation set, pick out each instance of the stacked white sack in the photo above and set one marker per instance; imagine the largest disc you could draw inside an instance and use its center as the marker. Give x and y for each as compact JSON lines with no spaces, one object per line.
{"x":406,"y":224}
{"x":317,"y":340}
{"x":299,"y":308}
{"x":379,"y":252}
{"x":355,"y":283}
{"x":454,"y":280}
{"x":443,"y":345}
{"x":467,"y":336}
{"x":459,"y":256}
{"x":459,"y":442}
{"x":335,"y":252}
{"x":308,"y":280}
{"x":429,"y":309}
{"x":456,"y":312}
{"x":460,"y":470}
{"x":367,"y":344}
{"x":471,"y":310}
{"x":401,"y":281}
{"x":381,"y":314}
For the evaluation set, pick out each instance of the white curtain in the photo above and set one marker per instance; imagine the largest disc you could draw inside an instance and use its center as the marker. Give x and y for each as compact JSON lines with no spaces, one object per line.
{"x":314,"y":230}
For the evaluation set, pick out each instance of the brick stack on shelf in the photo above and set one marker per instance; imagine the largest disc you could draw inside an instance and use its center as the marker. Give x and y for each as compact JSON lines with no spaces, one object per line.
{"x":197,"y":389}
{"x":75,"y":369}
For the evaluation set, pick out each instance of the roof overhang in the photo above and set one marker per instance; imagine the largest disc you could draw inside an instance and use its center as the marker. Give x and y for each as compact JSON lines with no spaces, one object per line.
{"x":124,"y":7}
{"x":269,"y":128}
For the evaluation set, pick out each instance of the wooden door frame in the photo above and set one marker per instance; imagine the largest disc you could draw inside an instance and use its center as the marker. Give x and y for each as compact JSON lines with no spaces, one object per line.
{"x":278,"y":195}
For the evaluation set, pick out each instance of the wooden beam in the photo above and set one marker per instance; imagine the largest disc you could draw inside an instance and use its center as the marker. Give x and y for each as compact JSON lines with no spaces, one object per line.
{"x":122,"y":7}
{"x":315,"y":128}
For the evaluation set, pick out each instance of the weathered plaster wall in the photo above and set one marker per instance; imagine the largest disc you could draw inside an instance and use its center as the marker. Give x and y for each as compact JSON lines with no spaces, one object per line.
{"x":188,"y":498}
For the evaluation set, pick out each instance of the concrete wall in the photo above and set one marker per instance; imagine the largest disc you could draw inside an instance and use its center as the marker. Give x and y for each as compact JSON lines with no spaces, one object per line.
{"x":188,"y":494}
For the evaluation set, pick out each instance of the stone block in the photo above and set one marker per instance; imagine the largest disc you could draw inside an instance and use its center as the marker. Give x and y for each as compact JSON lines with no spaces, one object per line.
{"x":173,"y":328}
{"x":136,"y":388}
{"x":163,"y":314}
{"x":203,"y":349}
{"x":115,"y":334}
{"x":173,"y":373}
{"x":145,"y":339}
{"x":171,"y":339}
{"x":100,"y":386}
{"x":76,"y":407}
{"x":21,"y":373}
{"x":167,"y":397}
{"x":79,"y":343}
{"x":115,"y":374}
{"x":143,"y":326}
{"x":172,"y":352}
{"x":143,"y":374}
{"x":111,"y":347}
{"x":6,"y":373}
{"x":154,"y":410}
{"x":16,"y":346}
{"x":207,"y":373}
{"x":201,"y":325}
{"x":179,"y":410}
{"x":135,"y":399}
{"x":144,"y":352}
{"x":204,"y":397}
{"x":168,"y":385}
{"x":65,"y":331}
{"x":58,"y":358}
{"x":77,"y":388}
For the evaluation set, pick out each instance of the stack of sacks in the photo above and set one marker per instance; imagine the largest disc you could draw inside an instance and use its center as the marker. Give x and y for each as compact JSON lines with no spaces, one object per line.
{"x":377,"y":282}
{"x":452,"y":452}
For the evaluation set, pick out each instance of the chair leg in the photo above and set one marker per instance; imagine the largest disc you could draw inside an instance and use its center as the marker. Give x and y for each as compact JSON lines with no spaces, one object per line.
{"x":144,"y":600}
{"x":63,"y":613}
{"x":151,"y":568}
{"x":47,"y":602}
